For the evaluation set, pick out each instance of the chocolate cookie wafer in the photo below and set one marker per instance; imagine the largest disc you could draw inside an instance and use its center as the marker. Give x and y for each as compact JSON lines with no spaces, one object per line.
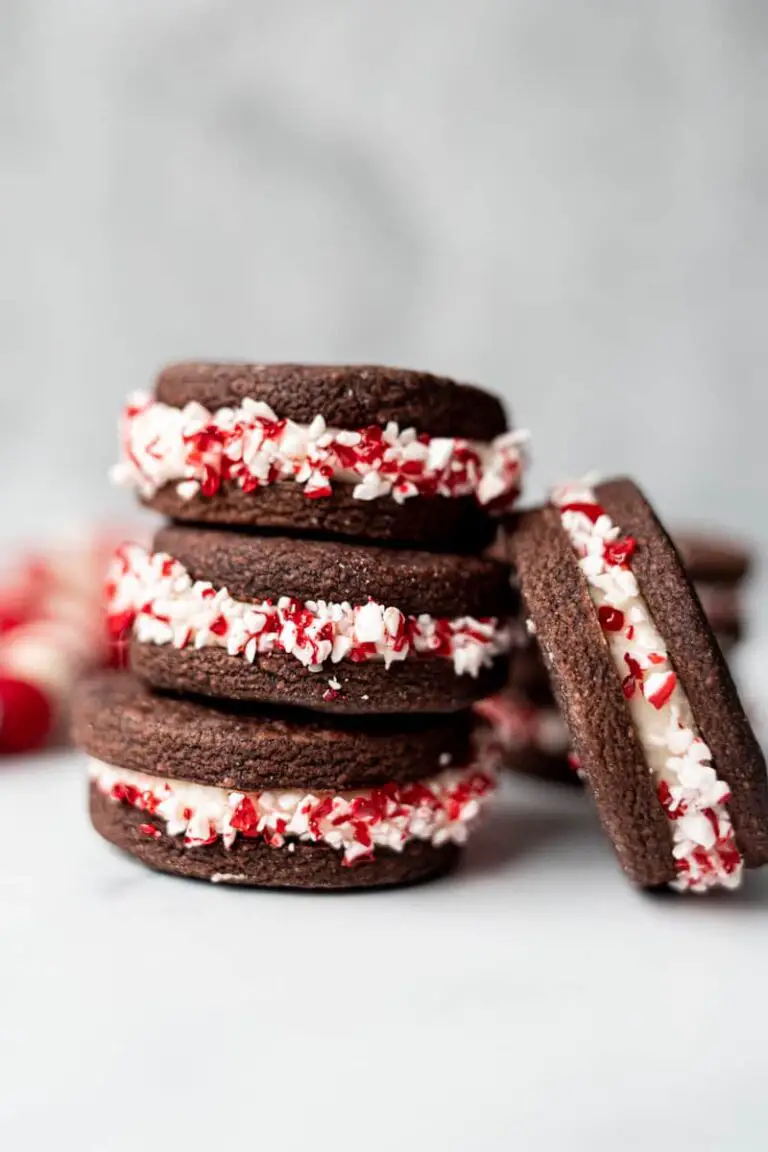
{"x":361,"y":452}
{"x":277,"y":799}
{"x":677,"y":775}
{"x":718,"y":568}
{"x":317,"y":624}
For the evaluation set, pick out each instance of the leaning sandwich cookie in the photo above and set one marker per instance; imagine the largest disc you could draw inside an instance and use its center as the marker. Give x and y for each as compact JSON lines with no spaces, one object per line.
{"x":277,"y":799}
{"x":318,"y":624}
{"x":370,"y":453}
{"x":655,"y":720}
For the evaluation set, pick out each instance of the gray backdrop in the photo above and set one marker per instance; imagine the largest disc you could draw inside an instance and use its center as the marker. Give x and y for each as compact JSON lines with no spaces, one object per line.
{"x":564,"y":201}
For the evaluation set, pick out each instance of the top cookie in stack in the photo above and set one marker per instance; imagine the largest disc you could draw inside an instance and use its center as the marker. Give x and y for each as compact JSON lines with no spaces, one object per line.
{"x":378,"y":454}
{"x":318,"y":561}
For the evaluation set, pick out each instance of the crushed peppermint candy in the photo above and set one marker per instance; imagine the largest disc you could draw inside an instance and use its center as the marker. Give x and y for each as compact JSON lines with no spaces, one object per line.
{"x":439,"y":810}
{"x":333,"y":691}
{"x":153,"y":596}
{"x":250,"y":447}
{"x":693,"y":798}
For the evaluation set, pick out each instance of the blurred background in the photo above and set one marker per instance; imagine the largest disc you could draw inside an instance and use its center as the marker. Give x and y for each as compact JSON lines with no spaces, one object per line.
{"x":563,"y":201}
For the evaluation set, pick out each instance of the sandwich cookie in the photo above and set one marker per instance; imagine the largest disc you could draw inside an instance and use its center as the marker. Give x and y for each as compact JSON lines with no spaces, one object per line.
{"x":379,"y":454}
{"x":277,"y":800}
{"x":718,"y":568}
{"x":655,"y":720}
{"x":318,"y":624}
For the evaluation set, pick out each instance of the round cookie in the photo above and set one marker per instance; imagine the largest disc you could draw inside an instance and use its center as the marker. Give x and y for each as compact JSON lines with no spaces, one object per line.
{"x":117,"y":719}
{"x":656,"y":722}
{"x":350,"y":396}
{"x":256,"y":864}
{"x":316,"y":624}
{"x":713,"y":559}
{"x":381,"y":454}
{"x":275,"y":800}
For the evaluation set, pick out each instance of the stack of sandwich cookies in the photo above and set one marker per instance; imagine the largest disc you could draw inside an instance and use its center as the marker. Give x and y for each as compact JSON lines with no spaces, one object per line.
{"x":524,"y":719}
{"x":317,"y":613}
{"x":654,"y":718}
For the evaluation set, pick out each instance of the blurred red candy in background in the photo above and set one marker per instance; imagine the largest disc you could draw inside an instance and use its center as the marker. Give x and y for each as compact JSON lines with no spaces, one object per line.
{"x":52,"y":631}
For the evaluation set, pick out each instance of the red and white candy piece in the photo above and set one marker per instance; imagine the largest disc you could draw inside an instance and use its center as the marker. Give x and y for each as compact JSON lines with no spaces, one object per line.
{"x":52,"y":630}
{"x":26,"y":716}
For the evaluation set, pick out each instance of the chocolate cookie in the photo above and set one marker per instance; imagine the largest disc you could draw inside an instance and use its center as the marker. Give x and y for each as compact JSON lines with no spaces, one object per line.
{"x":277,"y":800}
{"x":316,"y":624}
{"x":118,"y":720}
{"x":677,"y":775}
{"x":360,"y":452}
{"x":713,"y":559}
{"x":722,"y":607}
{"x":254,"y":863}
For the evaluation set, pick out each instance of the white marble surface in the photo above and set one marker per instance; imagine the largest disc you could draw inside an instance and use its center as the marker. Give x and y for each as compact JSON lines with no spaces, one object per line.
{"x":533,"y":1000}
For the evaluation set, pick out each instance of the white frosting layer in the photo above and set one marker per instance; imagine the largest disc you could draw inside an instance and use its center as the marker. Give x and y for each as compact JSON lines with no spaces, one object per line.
{"x":250,"y":446}
{"x":693,"y":797}
{"x":439,"y":810}
{"x":155,"y":596}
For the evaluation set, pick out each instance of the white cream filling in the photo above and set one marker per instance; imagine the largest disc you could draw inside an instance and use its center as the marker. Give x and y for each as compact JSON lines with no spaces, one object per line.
{"x":250,"y":446}
{"x":438,"y":810}
{"x":163,"y":605}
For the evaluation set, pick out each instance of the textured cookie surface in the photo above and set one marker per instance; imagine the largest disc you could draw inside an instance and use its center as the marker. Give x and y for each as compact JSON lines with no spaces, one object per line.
{"x":414,"y":685}
{"x":347,"y":396}
{"x":255,"y":863}
{"x":117,"y":720}
{"x":588,"y":690}
{"x":262,"y":567}
{"x":428,"y":522}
